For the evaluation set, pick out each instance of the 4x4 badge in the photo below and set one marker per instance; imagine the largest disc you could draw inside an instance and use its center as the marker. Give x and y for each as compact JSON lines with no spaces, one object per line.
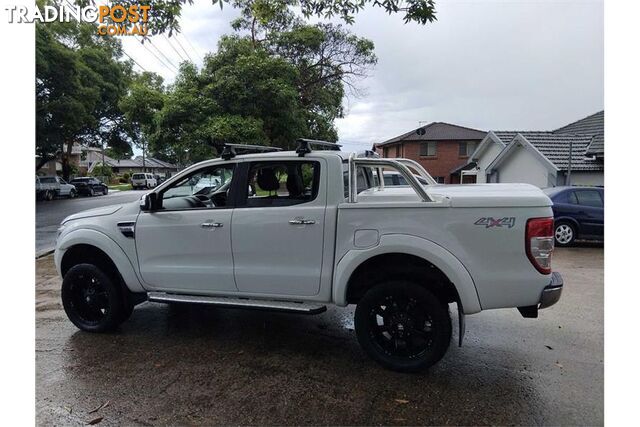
{"x":489,"y":222}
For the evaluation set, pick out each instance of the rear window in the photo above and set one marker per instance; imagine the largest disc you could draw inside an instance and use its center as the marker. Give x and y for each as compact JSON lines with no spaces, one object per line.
{"x":138,"y":176}
{"x":48,"y":180}
{"x":589,"y":198}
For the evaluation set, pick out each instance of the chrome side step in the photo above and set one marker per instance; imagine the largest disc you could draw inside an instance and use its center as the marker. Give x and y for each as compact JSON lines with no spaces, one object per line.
{"x":231,"y":302}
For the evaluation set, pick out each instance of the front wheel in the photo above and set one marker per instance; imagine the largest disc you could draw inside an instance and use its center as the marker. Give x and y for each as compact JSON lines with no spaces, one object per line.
{"x":72,"y":194}
{"x":91,"y":299}
{"x":403,"y":326}
{"x":105,"y":191}
{"x":565,"y":234}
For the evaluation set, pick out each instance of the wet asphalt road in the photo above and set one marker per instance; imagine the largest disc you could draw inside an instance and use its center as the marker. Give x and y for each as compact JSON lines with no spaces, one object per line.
{"x":182,"y":365}
{"x":49,"y":215}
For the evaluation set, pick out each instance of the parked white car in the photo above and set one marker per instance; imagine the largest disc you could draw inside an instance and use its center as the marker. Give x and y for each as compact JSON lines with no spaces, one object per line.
{"x":317,"y":232}
{"x":143,"y":180}
{"x":49,"y":187}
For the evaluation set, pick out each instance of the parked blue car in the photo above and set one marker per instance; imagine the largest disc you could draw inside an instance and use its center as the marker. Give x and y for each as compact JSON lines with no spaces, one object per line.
{"x":578,"y":213}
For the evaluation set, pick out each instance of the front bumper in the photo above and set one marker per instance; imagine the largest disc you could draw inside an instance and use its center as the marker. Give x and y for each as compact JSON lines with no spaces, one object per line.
{"x":550,"y":295}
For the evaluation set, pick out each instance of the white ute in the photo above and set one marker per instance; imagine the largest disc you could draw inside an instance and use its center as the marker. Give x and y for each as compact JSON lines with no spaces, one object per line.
{"x":309,"y":228}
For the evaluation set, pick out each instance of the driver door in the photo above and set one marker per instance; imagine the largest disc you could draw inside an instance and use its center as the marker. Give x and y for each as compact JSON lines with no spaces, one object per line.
{"x":184,"y":244}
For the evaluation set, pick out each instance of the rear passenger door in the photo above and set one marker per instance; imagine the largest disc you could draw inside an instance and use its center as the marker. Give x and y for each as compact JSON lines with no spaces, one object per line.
{"x":590,"y":211}
{"x":278,"y":227}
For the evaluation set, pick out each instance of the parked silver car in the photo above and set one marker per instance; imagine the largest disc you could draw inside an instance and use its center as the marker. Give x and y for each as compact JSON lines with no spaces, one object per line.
{"x":49,"y":187}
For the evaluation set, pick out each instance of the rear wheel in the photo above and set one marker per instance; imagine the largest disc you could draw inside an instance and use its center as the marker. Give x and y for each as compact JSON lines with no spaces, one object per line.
{"x":91,"y":299}
{"x":564,"y":233}
{"x":403,"y":326}
{"x":91,"y":192}
{"x":48,"y":195}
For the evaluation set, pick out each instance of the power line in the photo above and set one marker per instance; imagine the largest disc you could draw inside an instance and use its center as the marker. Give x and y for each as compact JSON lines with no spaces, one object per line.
{"x":172,"y":47}
{"x":161,"y":53}
{"x":192,"y":48}
{"x":185,"y":52}
{"x":155,"y":56}
{"x":136,"y":62}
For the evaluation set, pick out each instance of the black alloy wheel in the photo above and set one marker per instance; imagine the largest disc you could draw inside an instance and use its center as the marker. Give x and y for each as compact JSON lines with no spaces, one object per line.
{"x":403,"y":326}
{"x":91,"y":299}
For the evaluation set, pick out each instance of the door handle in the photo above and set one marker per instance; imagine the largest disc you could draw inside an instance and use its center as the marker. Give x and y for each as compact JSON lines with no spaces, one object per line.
{"x":211,"y":224}
{"x":301,"y":221}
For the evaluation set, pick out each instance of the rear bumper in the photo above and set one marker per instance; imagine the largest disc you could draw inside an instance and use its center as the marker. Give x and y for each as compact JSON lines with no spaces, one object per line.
{"x":551,"y":293}
{"x":549,"y":296}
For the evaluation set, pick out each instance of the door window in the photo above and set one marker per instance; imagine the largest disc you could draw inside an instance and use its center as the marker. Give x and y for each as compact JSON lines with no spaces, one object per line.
{"x":282,"y":183}
{"x":206,"y":188}
{"x":589,"y":198}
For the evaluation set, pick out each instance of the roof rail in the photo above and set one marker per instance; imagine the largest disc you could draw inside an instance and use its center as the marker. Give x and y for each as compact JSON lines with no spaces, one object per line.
{"x":304,"y":145}
{"x":229,"y":151}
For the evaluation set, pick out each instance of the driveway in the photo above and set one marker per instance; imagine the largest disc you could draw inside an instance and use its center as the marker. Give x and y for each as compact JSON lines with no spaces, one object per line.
{"x":50,"y":214}
{"x":177,"y":365}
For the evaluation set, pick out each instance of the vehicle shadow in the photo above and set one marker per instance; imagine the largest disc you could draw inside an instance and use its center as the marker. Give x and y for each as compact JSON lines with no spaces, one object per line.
{"x":192,"y":364}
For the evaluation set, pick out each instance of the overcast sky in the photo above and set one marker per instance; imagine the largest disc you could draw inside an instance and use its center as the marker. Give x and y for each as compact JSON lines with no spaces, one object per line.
{"x":490,"y":65}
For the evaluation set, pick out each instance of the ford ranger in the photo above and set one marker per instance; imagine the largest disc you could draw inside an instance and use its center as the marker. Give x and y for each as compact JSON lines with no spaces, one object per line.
{"x":295,"y":231}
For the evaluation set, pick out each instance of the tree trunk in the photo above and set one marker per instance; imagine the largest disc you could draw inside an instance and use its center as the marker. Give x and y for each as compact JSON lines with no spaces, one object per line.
{"x":66,"y":157}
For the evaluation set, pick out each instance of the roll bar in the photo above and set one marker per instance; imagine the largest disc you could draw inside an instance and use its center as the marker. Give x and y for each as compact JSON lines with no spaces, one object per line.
{"x":398,"y":164}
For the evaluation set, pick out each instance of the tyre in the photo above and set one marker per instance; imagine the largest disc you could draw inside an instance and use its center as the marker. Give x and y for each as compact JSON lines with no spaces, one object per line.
{"x":105,"y":191}
{"x":91,"y":299}
{"x":72,"y":194}
{"x":403,"y":326}
{"x":565,"y":233}
{"x":48,"y":196}
{"x":91,"y":192}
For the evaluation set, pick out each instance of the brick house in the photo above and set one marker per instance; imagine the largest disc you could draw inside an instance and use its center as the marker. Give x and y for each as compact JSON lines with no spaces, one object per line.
{"x":441,"y":148}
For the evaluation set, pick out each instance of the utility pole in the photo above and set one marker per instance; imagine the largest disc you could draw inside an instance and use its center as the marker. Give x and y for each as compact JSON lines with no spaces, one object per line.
{"x":568,"y":180}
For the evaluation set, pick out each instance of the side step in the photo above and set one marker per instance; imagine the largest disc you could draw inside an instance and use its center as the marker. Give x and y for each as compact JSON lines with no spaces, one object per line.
{"x":230,"y":302}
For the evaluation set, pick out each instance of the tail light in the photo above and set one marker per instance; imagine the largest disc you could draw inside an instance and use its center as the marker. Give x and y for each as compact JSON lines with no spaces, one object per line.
{"x":539,"y":243}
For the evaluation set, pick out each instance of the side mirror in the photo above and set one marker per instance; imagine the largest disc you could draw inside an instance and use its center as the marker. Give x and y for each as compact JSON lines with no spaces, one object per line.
{"x":148,"y":202}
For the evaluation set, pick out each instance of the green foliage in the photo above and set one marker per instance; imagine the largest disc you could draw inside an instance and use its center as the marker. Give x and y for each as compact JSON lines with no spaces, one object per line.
{"x":79,"y":82}
{"x":276,"y":81}
{"x":164,"y":15}
{"x":102,"y":170}
{"x":126,"y":176}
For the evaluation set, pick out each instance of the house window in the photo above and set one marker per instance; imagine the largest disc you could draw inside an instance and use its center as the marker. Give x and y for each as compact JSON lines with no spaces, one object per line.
{"x":398,"y":150}
{"x":428,"y":149}
{"x":466,"y":148}
{"x":439,"y":179}
{"x":385,"y":152}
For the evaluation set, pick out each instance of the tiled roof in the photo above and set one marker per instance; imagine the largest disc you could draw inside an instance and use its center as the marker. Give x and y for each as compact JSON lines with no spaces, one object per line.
{"x":438,"y":131}
{"x":154,"y":163}
{"x":592,"y":125}
{"x":555,"y":147}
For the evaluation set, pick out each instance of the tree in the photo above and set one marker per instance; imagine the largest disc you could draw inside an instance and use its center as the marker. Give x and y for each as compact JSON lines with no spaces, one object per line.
{"x":164,"y":15}
{"x":144,"y":99}
{"x":328,"y":58}
{"x":79,"y":82}
{"x":241,"y":95}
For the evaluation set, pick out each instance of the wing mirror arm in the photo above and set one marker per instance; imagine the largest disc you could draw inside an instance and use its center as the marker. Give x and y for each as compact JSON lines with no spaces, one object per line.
{"x":149,"y":202}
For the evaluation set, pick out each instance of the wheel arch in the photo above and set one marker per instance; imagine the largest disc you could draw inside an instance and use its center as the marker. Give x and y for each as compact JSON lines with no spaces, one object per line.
{"x":85,"y":245}
{"x":424,"y":256}
{"x":568,"y":219}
